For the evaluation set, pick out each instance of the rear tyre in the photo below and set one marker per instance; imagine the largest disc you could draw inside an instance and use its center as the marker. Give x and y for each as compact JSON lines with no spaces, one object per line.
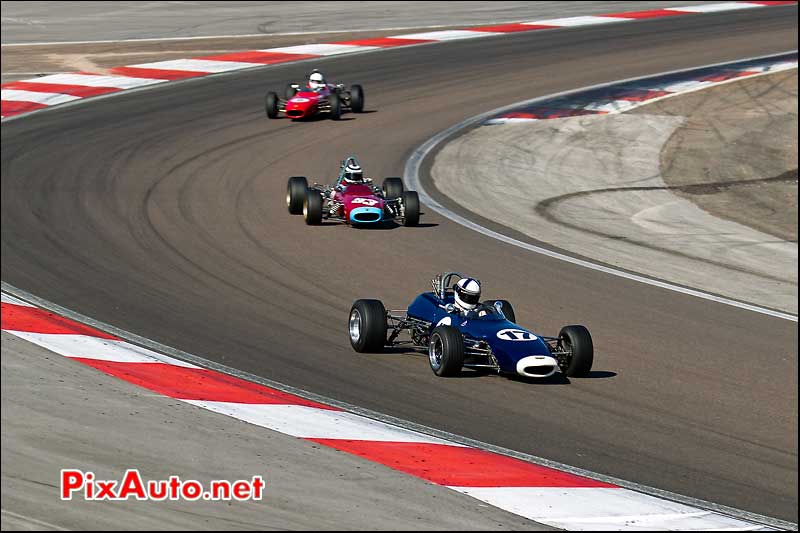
{"x":392,"y":188}
{"x":357,"y":99}
{"x":271,"y":105}
{"x":312,"y":208}
{"x":577,"y":341}
{"x":290,"y":91}
{"x":367,"y":326}
{"x":446,"y":351}
{"x":507,"y":309}
{"x":336,"y":106}
{"x":296,"y":191}
{"x":410,"y":208}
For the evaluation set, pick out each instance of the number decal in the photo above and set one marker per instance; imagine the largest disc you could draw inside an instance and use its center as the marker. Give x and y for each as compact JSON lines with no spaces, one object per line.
{"x":366,"y":201}
{"x":516,"y":335}
{"x":446,"y":321}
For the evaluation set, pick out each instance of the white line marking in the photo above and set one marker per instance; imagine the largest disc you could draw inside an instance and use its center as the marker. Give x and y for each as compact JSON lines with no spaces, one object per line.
{"x":86,"y":347}
{"x":314,"y":423}
{"x":321,"y":49}
{"x":414,"y":162}
{"x":8,"y":299}
{"x":197,"y":65}
{"x":446,"y":35}
{"x":96,"y":80}
{"x":16,"y":95}
{"x":714,"y":8}
{"x":574,"y":22}
{"x":599,"y":509}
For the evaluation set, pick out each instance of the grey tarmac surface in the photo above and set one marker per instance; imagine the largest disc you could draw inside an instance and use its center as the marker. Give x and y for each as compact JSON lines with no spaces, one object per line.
{"x":163,"y":213}
{"x":735,"y":156}
{"x":30,"y":22}
{"x":593,"y":185}
{"x":173,"y":30}
{"x":58,"y":413}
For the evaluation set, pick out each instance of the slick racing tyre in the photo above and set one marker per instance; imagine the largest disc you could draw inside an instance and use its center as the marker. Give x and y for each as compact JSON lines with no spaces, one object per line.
{"x":410,"y":208}
{"x":312,"y":208}
{"x":336,"y":106}
{"x":296,"y":192}
{"x":392,"y":188}
{"x":290,"y":91}
{"x":506,"y":307}
{"x":578,"y":342}
{"x":271,"y":105}
{"x":446,"y":351}
{"x":357,"y":99}
{"x":367,"y":326}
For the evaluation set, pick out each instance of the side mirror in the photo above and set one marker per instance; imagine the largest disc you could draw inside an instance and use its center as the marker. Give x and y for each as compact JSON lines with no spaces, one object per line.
{"x":499,"y":307}
{"x":450,"y":308}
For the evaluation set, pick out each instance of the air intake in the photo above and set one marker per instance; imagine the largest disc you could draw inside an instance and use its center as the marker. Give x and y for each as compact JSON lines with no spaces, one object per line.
{"x":366,"y":217}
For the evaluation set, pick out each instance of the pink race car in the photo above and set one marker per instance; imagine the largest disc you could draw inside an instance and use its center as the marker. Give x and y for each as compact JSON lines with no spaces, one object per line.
{"x":353,"y":199}
{"x":316,"y":97}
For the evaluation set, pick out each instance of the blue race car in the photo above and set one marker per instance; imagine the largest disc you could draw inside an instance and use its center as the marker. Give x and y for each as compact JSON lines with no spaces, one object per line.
{"x":485,"y":339}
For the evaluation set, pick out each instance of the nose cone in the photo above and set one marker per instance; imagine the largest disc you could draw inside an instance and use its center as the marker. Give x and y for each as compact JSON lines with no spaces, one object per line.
{"x":366,"y":215}
{"x":537,"y":366}
{"x":299,"y":106}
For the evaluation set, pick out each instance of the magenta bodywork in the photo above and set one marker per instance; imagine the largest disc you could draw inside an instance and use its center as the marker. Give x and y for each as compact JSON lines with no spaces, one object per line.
{"x":361,"y":205}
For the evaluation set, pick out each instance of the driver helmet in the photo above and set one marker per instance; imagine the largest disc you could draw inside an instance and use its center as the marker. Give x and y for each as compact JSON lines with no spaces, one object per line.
{"x":316,"y":80}
{"x":467,"y":293}
{"x":352,"y":172}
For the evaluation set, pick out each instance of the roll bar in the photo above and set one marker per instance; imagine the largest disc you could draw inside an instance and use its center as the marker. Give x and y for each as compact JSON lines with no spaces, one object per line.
{"x":441,"y":282}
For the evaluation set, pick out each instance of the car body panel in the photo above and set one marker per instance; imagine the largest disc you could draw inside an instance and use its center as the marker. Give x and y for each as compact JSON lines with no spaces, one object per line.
{"x":360,"y":202}
{"x":510,"y":343}
{"x":305,"y":103}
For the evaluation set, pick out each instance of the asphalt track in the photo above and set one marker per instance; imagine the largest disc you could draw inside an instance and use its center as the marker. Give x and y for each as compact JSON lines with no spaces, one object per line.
{"x":162,"y":212}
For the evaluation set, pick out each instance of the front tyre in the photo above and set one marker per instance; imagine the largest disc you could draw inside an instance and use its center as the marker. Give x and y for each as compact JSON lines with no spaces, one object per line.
{"x":392,"y":188}
{"x":290,"y":91}
{"x":296,"y":191}
{"x":367,"y":326}
{"x":446,"y":351}
{"x":357,"y":99}
{"x":410,"y":208}
{"x":577,"y":342}
{"x":336,"y":106}
{"x":312,"y":208}
{"x":271,"y":105}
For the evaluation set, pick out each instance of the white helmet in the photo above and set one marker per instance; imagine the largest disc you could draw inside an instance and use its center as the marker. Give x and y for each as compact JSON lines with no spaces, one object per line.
{"x":468,"y":293}
{"x":353,"y":172}
{"x":316,"y":80}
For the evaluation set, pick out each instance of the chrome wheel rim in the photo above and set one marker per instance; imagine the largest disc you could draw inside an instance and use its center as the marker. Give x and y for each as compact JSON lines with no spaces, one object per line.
{"x":435,"y":350}
{"x":355,"y":325}
{"x":288,"y":198}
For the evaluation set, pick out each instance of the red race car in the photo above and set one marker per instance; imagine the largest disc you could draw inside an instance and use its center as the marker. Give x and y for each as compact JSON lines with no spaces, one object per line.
{"x":353,"y":199}
{"x":315,"y":98}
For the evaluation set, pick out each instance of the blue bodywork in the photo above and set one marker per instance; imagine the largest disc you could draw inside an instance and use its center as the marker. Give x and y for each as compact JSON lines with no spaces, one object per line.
{"x":508,"y":341}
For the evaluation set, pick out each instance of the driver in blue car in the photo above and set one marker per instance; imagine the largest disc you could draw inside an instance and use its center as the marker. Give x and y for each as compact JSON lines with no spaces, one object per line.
{"x":467,"y":294}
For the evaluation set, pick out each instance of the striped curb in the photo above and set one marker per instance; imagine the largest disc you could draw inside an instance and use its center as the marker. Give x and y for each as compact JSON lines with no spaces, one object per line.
{"x":626,"y":96}
{"x":20,"y":97}
{"x":546,"y":495}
